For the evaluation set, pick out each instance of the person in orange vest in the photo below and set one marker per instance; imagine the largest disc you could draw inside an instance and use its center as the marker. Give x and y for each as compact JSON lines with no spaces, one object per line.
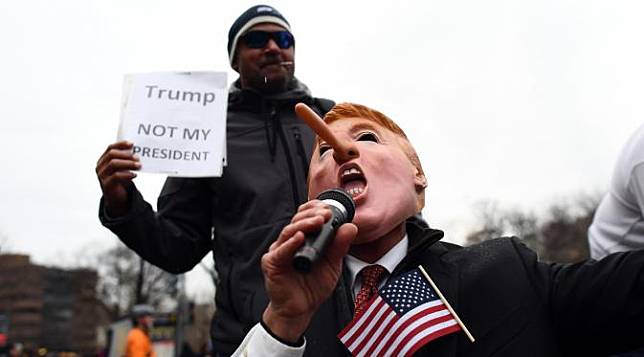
{"x":138,"y":339}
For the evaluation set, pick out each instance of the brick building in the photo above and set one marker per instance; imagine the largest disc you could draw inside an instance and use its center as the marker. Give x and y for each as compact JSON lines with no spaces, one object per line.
{"x":50,"y":307}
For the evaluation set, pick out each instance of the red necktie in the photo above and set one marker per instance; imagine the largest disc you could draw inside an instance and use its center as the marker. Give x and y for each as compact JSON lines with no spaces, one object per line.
{"x":370,"y":277}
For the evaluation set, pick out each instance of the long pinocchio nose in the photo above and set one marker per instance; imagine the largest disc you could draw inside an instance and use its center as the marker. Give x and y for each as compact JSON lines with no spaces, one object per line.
{"x":343,"y":151}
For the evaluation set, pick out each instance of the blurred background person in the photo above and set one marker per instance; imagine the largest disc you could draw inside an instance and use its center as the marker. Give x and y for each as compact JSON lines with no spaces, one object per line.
{"x":138,"y":339}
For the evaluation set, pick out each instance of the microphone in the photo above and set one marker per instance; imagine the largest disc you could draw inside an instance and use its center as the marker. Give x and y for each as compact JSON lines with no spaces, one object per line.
{"x":342,"y":210}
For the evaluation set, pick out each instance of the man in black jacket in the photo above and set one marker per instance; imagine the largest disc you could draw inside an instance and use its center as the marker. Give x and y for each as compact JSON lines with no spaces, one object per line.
{"x":511,"y":303}
{"x":238,"y":215}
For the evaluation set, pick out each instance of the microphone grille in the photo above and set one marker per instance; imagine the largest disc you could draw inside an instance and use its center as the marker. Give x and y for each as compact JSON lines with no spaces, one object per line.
{"x":341,"y":196}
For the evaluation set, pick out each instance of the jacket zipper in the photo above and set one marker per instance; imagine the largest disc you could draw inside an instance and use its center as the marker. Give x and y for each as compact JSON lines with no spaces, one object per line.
{"x":289,"y":159}
{"x":300,"y":150}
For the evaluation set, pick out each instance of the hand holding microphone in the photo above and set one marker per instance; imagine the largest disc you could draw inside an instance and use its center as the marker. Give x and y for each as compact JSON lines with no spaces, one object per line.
{"x":295,"y":297}
{"x":342,"y":211}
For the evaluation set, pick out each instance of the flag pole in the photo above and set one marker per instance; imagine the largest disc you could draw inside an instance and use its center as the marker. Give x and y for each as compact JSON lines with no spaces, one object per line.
{"x":449,"y":307}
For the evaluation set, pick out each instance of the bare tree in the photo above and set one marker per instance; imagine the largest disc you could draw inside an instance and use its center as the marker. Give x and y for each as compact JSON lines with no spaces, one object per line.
{"x":120,"y":274}
{"x":564,"y":234}
{"x":559,"y":236}
{"x":491,"y":222}
{"x":523,"y":225}
{"x":496,"y":222}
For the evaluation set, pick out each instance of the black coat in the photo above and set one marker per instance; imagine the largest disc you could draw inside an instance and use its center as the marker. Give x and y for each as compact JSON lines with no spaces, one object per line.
{"x":512,"y":304}
{"x":236,"y":216}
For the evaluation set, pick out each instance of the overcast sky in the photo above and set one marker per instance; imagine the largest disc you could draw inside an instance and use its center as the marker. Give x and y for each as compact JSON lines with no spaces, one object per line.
{"x":523,"y":102}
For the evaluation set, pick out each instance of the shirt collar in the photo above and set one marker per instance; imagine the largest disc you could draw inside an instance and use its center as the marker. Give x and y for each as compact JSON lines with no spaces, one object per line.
{"x":389,"y":261}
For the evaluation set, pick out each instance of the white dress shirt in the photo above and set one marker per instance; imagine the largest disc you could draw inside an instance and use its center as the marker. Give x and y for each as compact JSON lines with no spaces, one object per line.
{"x":388,"y":261}
{"x":258,"y":342}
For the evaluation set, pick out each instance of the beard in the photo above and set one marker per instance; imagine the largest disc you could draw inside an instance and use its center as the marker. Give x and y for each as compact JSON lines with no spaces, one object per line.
{"x":272,"y":76}
{"x":272,"y":83}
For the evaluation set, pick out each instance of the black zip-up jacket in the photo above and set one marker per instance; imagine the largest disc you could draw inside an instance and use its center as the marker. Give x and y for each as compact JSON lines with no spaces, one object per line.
{"x":512,"y":304}
{"x":238,"y":215}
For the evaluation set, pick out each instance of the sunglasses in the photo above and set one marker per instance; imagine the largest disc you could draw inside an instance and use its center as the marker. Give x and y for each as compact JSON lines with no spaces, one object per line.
{"x":259,"y":39}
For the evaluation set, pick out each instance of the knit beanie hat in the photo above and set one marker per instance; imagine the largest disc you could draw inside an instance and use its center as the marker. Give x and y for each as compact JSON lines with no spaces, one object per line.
{"x":251,"y":17}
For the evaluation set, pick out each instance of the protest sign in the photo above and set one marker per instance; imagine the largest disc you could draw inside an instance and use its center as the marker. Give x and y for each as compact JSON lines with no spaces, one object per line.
{"x":177,"y":121}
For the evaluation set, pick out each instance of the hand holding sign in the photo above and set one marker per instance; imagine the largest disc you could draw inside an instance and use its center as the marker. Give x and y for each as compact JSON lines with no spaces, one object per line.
{"x":170,"y":123}
{"x":114,"y":171}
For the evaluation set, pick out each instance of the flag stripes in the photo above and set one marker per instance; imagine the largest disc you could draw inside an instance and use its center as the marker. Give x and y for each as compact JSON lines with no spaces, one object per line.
{"x":404,"y":316}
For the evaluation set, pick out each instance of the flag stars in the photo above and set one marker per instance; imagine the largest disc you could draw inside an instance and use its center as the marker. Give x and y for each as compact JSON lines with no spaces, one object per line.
{"x":408,"y":291}
{"x":404,"y":294}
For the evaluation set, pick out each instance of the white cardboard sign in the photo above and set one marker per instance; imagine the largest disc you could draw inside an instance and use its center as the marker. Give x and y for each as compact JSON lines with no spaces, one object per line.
{"x":177,"y":121}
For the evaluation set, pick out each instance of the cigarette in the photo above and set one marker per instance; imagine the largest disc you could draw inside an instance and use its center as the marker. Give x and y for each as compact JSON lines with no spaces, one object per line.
{"x":286,"y":63}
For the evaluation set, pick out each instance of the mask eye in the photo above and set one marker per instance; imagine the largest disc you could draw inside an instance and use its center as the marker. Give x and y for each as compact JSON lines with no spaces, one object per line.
{"x":367,"y":136}
{"x":324,"y":148}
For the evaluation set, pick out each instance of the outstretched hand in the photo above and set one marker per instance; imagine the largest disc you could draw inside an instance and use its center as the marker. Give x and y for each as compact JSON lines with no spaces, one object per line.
{"x":294,"y":296}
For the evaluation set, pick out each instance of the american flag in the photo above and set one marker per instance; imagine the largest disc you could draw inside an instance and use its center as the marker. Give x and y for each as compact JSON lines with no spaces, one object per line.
{"x":405,"y":315}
